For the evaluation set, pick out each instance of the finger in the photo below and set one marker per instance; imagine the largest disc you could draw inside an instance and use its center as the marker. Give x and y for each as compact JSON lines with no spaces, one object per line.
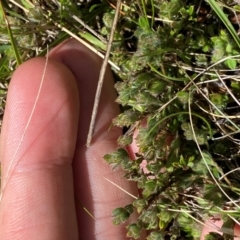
{"x":37,"y":199}
{"x":90,"y":170}
{"x":215,"y":226}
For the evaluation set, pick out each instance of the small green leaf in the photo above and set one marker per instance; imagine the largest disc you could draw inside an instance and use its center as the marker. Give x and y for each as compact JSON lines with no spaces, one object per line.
{"x":189,"y":226}
{"x":120,"y":215}
{"x":4,"y":48}
{"x":235,"y":85}
{"x":142,"y":80}
{"x":156,"y":87}
{"x":154,"y":167}
{"x":156,"y":236}
{"x":149,"y":219}
{"x":116,"y":157}
{"x":183,"y":97}
{"x":229,"y":48}
{"x":182,"y":161}
{"x":216,"y":170}
{"x":134,"y":230}
{"x":164,"y":219}
{"x":220,"y":100}
{"x":108,"y":19}
{"x":127,"y":118}
{"x":149,"y":188}
{"x":214,"y":236}
{"x":129,"y":208}
{"x":231,"y":63}
{"x":124,"y":140}
{"x":139,"y":204}
{"x":190,"y":163}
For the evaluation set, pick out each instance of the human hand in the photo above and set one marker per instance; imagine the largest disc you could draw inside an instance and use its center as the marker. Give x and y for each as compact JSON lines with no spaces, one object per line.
{"x":48,"y":174}
{"x":53,"y":176}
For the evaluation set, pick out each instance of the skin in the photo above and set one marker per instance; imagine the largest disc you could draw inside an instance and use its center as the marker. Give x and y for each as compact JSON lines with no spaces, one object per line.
{"x":211,"y":226}
{"x":52,"y":174}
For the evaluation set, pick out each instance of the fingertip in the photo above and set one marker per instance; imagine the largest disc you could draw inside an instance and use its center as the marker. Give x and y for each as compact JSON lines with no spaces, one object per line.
{"x":39,"y":88}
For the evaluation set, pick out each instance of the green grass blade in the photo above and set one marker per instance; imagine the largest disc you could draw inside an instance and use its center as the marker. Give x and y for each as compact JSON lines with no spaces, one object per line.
{"x":145,"y":14}
{"x":183,"y":113}
{"x":165,"y":77}
{"x":12,"y":40}
{"x":215,"y":6}
{"x":93,"y":40}
{"x":153,"y":13}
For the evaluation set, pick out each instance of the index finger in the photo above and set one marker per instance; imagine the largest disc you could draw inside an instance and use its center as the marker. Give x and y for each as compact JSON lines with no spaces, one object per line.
{"x":38,"y":153}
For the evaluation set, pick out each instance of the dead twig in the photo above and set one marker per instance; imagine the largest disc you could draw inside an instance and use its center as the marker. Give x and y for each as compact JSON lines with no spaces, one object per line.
{"x":102,"y":74}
